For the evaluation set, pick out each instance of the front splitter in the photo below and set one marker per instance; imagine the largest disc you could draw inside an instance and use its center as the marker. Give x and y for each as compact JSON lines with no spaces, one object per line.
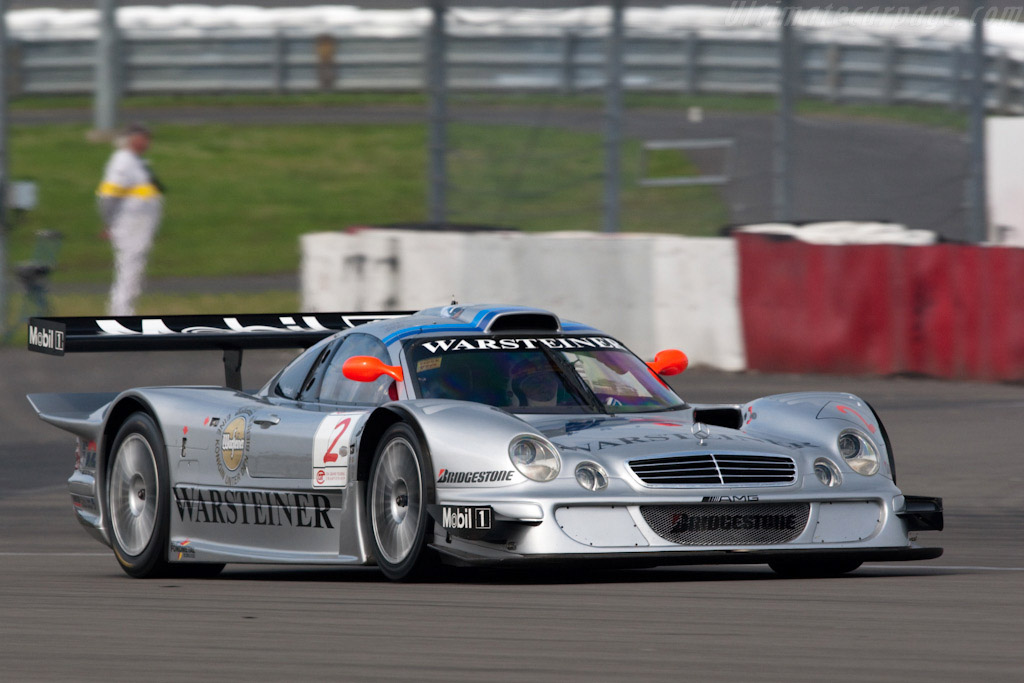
{"x":461,"y":558}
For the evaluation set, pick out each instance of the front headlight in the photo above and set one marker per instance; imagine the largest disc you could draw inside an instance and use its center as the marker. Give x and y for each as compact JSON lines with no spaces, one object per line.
{"x":858,"y":451}
{"x":534,"y":457}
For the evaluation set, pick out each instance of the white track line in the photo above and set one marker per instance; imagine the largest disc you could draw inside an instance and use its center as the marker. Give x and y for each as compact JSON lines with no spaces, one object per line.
{"x":54,"y":554}
{"x":944,"y":567}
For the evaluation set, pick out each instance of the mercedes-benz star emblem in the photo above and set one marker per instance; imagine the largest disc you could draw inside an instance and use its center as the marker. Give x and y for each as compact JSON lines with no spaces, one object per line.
{"x":701,"y":431}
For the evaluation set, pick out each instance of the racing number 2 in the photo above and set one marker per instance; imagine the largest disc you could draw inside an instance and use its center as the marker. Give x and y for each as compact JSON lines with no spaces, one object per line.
{"x":337,"y":432}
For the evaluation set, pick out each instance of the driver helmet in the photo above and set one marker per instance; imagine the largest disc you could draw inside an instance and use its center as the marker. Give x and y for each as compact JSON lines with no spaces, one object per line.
{"x":535,"y":382}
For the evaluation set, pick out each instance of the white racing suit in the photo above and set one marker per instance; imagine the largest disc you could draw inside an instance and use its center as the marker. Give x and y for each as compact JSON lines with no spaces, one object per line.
{"x":131,"y":205}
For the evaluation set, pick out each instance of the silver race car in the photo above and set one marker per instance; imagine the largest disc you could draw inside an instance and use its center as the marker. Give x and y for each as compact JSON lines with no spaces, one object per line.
{"x":465,"y":435}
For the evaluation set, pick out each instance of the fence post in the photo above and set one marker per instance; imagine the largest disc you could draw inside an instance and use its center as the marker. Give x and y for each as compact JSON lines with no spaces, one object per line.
{"x":1003,"y":86}
{"x":613,"y":119}
{"x":956,"y":68}
{"x":888,"y":71}
{"x":108,"y":71}
{"x":326,"y":73}
{"x":569,"y":63}
{"x":782,"y":185}
{"x":278,"y":73}
{"x":437,"y":172}
{"x":4,"y":66}
{"x":977,"y":211}
{"x":833,"y":75}
{"x":13,"y":79}
{"x":692,"y":65}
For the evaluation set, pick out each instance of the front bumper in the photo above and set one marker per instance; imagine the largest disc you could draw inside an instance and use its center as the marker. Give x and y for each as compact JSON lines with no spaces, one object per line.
{"x":868,"y":528}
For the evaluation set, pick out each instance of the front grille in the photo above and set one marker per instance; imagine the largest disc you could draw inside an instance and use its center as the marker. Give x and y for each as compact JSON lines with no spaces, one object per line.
{"x":754,"y":524}
{"x":709,"y":469}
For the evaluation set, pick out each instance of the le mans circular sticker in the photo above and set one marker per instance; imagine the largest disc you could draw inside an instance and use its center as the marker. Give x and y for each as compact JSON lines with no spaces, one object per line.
{"x":231,"y":448}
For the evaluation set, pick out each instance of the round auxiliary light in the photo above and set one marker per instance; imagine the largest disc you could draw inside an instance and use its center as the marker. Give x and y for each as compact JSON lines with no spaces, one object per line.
{"x":591,"y":476}
{"x":827,"y":472}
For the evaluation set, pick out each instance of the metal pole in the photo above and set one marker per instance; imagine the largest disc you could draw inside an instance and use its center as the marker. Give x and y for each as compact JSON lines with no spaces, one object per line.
{"x":437,"y":172}
{"x":613,"y":119}
{"x":782,"y":171}
{"x":107,"y":96}
{"x":977,"y":209}
{"x":3,"y":165}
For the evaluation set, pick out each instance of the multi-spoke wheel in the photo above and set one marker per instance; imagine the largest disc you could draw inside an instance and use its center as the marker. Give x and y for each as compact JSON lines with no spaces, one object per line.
{"x":137,"y":505}
{"x":133,"y":494}
{"x":397,"y":505}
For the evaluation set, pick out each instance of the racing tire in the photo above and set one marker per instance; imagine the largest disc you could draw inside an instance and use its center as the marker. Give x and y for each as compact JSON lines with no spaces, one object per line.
{"x":137,"y":502}
{"x":398,"y":492}
{"x":810,"y":568}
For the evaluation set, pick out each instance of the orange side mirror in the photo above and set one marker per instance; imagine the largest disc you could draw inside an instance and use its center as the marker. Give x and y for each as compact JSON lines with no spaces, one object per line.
{"x":669,"y":362}
{"x":369,"y":369}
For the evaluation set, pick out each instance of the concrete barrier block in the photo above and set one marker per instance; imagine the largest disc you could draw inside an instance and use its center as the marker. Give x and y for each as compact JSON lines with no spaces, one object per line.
{"x":494,"y":268}
{"x":695,"y":301}
{"x":650,"y":291}
{"x":323,"y":269}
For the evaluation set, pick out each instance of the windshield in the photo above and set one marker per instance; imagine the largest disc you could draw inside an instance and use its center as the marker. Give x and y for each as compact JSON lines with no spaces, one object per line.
{"x":539,"y":374}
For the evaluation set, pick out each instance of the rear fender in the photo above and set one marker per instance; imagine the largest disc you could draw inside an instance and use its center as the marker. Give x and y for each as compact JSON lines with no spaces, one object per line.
{"x":80,"y":414}
{"x":91,"y":418}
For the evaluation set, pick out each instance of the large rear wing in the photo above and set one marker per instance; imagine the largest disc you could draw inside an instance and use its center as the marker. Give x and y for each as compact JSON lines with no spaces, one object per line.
{"x":228,"y":333}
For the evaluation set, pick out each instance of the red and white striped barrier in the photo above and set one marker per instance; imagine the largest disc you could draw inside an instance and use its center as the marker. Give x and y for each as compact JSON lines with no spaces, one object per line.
{"x":945,"y":310}
{"x":756,"y":301}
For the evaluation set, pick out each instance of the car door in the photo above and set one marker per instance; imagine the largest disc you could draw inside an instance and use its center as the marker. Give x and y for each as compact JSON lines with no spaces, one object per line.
{"x":303,"y":442}
{"x":291,"y":437}
{"x":282,"y":430}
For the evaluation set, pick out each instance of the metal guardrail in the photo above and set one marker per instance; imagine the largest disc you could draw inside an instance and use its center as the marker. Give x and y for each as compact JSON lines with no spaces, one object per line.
{"x":883,"y":72}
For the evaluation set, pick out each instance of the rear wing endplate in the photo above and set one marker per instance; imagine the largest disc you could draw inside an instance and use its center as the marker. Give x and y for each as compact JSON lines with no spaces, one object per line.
{"x":230,"y":334}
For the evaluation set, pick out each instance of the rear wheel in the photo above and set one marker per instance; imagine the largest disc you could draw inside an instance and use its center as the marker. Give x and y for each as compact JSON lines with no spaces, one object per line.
{"x":138,"y":504}
{"x":137,"y":498}
{"x":397,"y":505}
{"x":809,"y":568}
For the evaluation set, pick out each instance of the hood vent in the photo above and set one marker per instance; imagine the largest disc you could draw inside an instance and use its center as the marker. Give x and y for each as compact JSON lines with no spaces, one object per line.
{"x":524,"y":322}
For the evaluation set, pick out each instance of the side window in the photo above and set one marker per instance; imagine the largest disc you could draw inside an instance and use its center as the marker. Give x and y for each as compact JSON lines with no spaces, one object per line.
{"x":336,"y":388}
{"x":290,"y":382}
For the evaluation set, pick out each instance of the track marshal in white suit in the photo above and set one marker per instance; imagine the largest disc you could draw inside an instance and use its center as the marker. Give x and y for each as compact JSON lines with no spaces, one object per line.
{"x":130,"y":201}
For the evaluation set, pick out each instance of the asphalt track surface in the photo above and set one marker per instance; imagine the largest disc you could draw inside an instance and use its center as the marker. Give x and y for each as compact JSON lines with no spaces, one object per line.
{"x":67,"y":611}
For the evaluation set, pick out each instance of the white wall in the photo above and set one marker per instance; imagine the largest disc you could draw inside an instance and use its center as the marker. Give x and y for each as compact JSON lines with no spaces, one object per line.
{"x":651,"y":291}
{"x":1004,"y":140}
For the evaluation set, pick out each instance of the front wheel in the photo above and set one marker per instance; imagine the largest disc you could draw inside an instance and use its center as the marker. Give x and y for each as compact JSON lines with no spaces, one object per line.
{"x":397,"y":505}
{"x":811,"y":568}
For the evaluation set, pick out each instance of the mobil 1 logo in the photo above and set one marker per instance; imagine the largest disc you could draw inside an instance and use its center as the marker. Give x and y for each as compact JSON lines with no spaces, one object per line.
{"x":465,"y":517}
{"x":46,"y":336}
